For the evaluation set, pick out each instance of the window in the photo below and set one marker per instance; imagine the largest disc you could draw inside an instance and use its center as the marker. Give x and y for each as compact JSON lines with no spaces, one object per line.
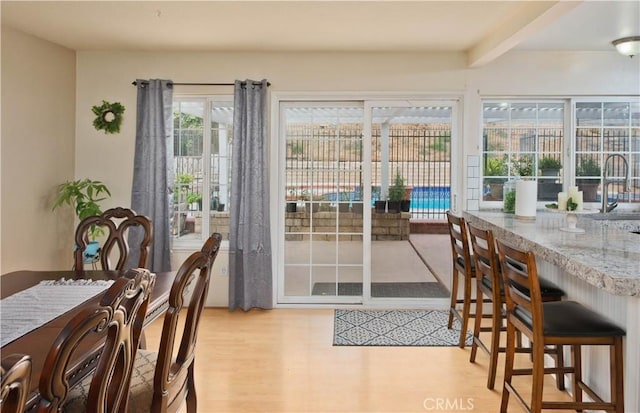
{"x":522,"y":139}
{"x":526,"y":139}
{"x":608,"y":131}
{"x":202,"y":137}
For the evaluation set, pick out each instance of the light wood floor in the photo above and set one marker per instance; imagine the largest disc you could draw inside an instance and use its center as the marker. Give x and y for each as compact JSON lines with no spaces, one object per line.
{"x":283,"y":361}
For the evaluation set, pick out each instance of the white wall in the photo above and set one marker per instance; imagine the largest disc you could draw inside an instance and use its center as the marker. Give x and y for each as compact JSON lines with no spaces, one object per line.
{"x":108,"y":76}
{"x":38,"y":136}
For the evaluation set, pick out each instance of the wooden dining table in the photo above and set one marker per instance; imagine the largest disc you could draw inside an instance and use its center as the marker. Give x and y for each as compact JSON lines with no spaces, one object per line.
{"x":37,"y":342}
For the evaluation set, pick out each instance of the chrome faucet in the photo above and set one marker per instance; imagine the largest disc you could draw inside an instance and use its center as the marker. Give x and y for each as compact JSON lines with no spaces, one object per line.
{"x":606,"y":181}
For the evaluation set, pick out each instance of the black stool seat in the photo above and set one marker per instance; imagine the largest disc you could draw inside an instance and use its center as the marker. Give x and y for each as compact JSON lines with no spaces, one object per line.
{"x":571,"y":319}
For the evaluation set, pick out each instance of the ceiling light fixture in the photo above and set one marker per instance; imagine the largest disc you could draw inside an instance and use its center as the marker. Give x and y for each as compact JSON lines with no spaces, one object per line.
{"x":628,"y":46}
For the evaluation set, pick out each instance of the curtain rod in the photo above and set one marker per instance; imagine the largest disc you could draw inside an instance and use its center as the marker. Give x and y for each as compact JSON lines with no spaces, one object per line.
{"x":134,"y":83}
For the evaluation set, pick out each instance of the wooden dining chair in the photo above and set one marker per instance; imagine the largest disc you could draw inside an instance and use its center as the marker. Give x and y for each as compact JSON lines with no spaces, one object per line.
{"x":162,"y":382}
{"x":554,"y":323}
{"x":117,"y":319}
{"x":489,"y":283}
{"x":116,"y":223}
{"x":15,"y":373}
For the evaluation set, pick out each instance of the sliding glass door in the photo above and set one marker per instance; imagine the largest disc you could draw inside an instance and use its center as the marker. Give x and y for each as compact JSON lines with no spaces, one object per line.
{"x":336,"y":160}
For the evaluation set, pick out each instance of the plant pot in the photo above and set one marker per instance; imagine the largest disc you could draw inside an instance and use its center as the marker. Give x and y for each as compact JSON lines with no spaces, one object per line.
{"x":393,"y":207}
{"x":496,"y":191}
{"x":221,"y":208}
{"x":291,"y":207}
{"x":589,"y":190}
{"x":550,"y":172}
{"x":380,"y":206}
{"x":405,"y":205}
{"x":91,"y":252}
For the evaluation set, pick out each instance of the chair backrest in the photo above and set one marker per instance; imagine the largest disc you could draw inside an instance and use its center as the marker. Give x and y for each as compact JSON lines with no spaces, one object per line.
{"x":460,"y":248}
{"x":116,"y":223}
{"x":118,"y":319}
{"x":171,"y":374}
{"x":16,"y":379}
{"x":484,"y":252}
{"x":522,"y":286}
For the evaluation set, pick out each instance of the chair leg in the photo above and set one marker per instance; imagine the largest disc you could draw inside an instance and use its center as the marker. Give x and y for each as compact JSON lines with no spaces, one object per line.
{"x":192,"y":401}
{"x":509,"y":359}
{"x":537,"y":378}
{"x":494,"y":349}
{"x":454,"y":296}
{"x":576,"y":356}
{"x":617,"y":374}
{"x":559,"y":356}
{"x":466,"y":310}
{"x":478,"y":322}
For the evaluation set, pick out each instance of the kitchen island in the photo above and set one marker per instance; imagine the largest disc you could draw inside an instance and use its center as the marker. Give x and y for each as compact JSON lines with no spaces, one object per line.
{"x":599,"y":268}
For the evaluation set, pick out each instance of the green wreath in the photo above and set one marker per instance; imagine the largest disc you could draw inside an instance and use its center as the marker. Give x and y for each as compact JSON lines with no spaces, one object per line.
{"x":108,"y":116}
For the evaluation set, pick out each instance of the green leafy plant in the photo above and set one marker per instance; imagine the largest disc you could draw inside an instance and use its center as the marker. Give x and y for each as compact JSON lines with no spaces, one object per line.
{"x":509,"y":202}
{"x":84,"y":196}
{"x":494,"y":167}
{"x":588,"y":167}
{"x":549,"y":162}
{"x":396,"y":191}
{"x":571,"y":206}
{"x":193,"y":197}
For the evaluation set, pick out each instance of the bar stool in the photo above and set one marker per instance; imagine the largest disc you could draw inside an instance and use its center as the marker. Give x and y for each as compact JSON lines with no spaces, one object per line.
{"x":463,"y":265}
{"x":488,"y":275}
{"x":554,"y":323}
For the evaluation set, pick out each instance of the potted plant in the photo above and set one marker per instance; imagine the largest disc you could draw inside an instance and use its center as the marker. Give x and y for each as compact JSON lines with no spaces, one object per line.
{"x":549,"y":166}
{"x":84,"y":196}
{"x":523,"y":166}
{"x":495,"y":167}
{"x":396,"y":193}
{"x":548,"y":187}
{"x":195,"y":200}
{"x":588,"y":167}
{"x":292,"y":200}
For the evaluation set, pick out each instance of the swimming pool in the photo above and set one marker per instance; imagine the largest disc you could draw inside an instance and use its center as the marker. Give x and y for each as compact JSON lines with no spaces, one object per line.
{"x":431,"y":197}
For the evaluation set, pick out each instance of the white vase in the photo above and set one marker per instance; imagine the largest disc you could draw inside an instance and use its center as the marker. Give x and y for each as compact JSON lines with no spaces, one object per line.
{"x":526,"y":199}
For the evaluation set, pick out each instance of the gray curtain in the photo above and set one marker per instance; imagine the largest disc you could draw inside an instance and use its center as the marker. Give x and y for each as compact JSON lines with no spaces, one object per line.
{"x":153,"y":169}
{"x":250,"y":278}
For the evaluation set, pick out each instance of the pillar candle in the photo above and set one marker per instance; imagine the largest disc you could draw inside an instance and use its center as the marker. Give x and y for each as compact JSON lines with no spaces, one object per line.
{"x":578,"y":200}
{"x":562,"y":201}
{"x":573,"y":192}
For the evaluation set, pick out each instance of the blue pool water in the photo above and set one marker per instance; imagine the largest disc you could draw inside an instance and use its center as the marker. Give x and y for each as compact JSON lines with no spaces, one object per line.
{"x":431,"y":197}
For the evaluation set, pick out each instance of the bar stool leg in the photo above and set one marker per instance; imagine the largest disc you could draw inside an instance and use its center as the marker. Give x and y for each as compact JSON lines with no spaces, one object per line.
{"x":454,"y":295}
{"x":478,"y":321}
{"x":576,"y":356}
{"x":496,"y":326}
{"x":508,"y":367}
{"x":617,"y":374}
{"x":537,"y":377}
{"x":466,"y":310}
{"x":559,"y":356}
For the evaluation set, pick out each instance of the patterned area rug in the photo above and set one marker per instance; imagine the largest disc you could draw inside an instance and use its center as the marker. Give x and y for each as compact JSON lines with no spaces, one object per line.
{"x":395,"y":328}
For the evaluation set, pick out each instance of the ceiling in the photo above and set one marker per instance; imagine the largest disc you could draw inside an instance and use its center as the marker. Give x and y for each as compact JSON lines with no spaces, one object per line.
{"x":482,"y":29}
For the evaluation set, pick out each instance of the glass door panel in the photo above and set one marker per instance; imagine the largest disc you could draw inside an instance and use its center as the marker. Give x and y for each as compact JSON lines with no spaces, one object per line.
{"x":410,"y":170}
{"x":322,"y":203}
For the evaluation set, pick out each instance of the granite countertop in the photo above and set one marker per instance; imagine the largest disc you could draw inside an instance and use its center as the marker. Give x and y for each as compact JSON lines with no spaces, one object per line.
{"x":606,"y":255}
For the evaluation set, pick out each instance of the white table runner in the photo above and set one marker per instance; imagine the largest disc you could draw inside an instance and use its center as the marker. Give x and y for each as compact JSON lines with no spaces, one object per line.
{"x":27,"y":310}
